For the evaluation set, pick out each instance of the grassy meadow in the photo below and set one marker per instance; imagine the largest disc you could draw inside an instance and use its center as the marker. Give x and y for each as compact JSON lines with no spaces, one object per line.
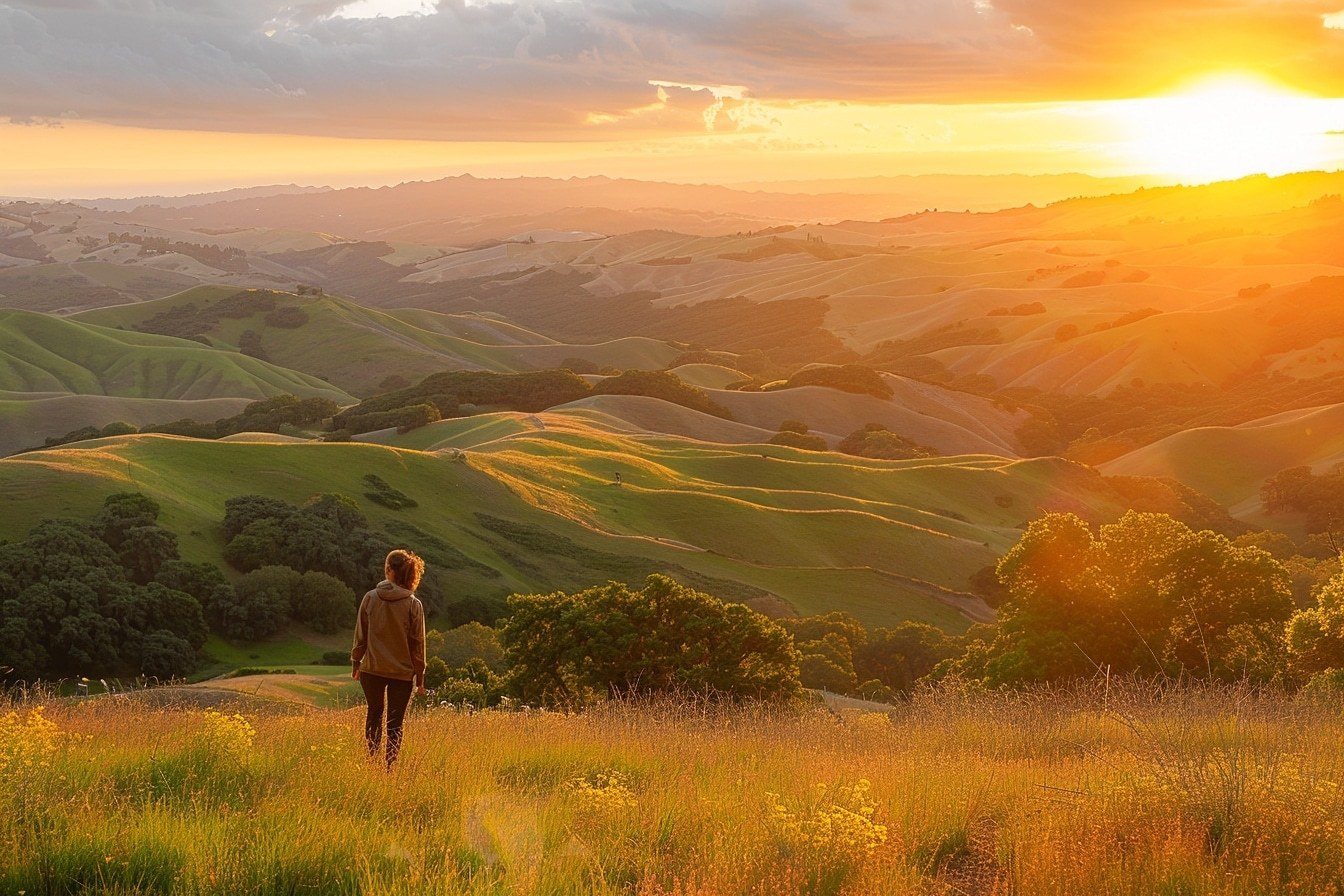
{"x":1120,"y":790}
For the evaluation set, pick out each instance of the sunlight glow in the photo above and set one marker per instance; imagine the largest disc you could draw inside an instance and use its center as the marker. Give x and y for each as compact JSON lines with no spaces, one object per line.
{"x":369,"y":9}
{"x":1229,"y":127}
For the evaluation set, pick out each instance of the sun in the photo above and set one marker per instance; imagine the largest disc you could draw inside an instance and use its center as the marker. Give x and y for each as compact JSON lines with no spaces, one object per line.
{"x":1227,"y":127}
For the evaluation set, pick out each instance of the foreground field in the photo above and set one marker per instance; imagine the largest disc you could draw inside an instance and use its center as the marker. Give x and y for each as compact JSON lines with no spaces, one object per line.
{"x":1134,"y":792}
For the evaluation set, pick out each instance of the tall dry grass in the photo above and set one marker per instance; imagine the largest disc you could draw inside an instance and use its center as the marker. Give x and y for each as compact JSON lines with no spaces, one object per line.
{"x":1127,"y":789}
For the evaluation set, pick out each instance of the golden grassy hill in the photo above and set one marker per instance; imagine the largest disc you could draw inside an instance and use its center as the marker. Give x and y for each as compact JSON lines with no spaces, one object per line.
{"x":1231,"y":463}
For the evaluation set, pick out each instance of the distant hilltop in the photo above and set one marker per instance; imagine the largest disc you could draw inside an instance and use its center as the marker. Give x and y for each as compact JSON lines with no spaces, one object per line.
{"x":126,"y":205}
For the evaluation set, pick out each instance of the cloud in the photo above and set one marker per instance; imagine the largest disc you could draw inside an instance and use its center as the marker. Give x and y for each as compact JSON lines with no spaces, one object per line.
{"x":558,"y":69}
{"x":30,"y":122}
{"x":368,"y":9}
{"x":720,"y":94}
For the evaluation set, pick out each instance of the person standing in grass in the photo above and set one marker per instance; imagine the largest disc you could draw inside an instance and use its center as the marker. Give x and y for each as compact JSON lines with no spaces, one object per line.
{"x":389,"y":650}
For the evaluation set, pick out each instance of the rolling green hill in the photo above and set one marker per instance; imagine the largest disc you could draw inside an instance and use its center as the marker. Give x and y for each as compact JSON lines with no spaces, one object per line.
{"x":27,"y":421}
{"x":358,"y":348}
{"x":57,"y":375}
{"x":817,"y":533}
{"x":43,"y":354}
{"x":531,"y":502}
{"x":64,"y":288}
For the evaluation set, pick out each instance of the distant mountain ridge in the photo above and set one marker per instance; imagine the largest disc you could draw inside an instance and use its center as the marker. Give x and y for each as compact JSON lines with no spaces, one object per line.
{"x":191,"y":199}
{"x":441,"y":210}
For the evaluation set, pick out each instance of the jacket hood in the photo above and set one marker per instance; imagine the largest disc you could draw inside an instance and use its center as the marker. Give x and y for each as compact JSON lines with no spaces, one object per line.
{"x":392,"y":591}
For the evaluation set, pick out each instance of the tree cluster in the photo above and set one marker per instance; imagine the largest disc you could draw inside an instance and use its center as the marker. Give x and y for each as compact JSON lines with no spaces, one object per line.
{"x":189,"y":321}
{"x":796,"y":434}
{"x":1320,"y":499}
{"x":249,"y":343}
{"x":876,"y":441}
{"x":469,"y":641}
{"x":1315,"y":635}
{"x":662,"y":385}
{"x":287,"y":317}
{"x":1144,"y":595}
{"x":527,"y":392}
{"x":274,"y":414}
{"x":328,"y":534}
{"x":84,"y":433}
{"x":266,"y":597}
{"x":837,"y":654}
{"x":1025,"y":309}
{"x":98,"y":597}
{"x":445,"y":393}
{"x":664,"y":638}
{"x":224,"y":258}
{"x":403,"y":419}
{"x":915,"y":357}
{"x":855,"y":378}
{"x":473,"y":683}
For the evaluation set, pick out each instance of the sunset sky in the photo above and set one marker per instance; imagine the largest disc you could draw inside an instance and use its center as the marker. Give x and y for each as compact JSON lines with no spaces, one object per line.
{"x":126,"y":97}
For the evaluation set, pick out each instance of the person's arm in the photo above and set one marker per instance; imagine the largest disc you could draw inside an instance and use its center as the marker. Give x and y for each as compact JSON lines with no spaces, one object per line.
{"x":361,"y":645}
{"x":417,"y":644}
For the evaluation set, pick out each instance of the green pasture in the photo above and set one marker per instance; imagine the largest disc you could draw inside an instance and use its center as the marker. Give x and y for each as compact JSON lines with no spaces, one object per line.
{"x":357,"y":348}
{"x":457,"y":432}
{"x":127,"y":317}
{"x":755,"y":529}
{"x":142,"y":283}
{"x":41,"y":354}
{"x":288,"y":650}
{"x":64,"y":288}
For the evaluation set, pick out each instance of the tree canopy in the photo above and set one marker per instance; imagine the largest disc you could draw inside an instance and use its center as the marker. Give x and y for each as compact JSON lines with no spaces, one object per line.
{"x":611,"y":641}
{"x":1316,"y":634}
{"x":854,"y":378}
{"x":1145,"y":594}
{"x":78,"y":598}
{"x":876,"y":441}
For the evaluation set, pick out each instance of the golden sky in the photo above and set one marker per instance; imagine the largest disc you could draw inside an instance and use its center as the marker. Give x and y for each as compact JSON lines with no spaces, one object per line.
{"x":133,"y":97}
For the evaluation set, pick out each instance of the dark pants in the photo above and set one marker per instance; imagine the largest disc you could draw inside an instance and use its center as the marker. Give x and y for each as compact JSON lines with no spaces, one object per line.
{"x":398,"y":696}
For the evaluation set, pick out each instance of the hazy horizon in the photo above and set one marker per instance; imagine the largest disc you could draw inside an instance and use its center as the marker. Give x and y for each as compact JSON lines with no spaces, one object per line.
{"x":818,"y":186}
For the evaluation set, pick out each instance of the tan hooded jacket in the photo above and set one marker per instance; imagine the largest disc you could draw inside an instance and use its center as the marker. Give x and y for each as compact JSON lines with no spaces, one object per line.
{"x":390,"y":634}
